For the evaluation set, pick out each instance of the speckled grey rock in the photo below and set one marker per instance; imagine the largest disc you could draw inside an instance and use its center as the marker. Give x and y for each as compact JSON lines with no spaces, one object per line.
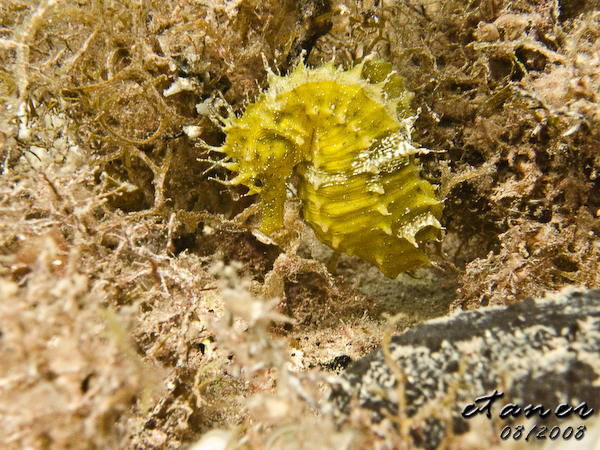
{"x":545,"y":352}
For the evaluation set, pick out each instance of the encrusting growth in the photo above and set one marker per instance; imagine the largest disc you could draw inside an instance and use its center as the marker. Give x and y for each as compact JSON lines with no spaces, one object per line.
{"x":542,"y":352}
{"x":347,"y":135}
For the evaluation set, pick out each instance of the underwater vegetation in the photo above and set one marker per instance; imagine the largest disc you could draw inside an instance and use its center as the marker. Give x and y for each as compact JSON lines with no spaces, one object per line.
{"x":140,"y":304}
